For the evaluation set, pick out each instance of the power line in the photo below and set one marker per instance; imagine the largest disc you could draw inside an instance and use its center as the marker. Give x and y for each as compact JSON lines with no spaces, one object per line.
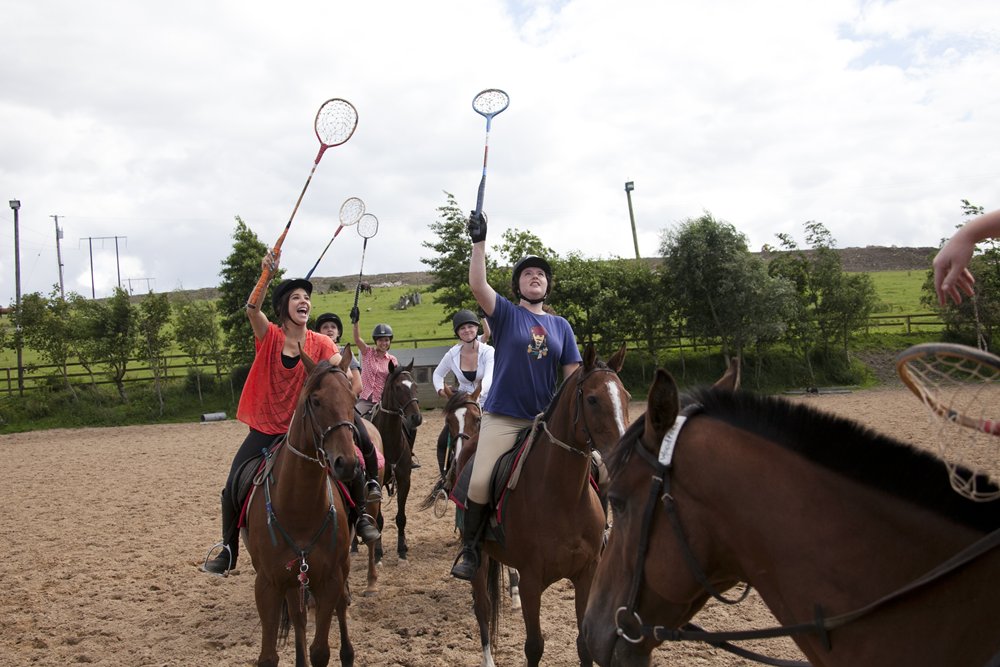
{"x":90,"y":243}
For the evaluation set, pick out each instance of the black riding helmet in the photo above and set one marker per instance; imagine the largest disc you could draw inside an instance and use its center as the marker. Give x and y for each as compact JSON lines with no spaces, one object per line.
{"x":531,"y":261}
{"x":382,"y":331}
{"x":279,"y":297}
{"x":330,"y":317}
{"x":463,"y":317}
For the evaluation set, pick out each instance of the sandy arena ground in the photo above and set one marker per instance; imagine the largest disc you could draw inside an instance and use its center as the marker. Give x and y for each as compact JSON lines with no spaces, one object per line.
{"x":104,"y":529}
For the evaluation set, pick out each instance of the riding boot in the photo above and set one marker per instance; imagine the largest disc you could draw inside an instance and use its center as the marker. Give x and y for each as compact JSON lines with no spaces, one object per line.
{"x":226,"y":560}
{"x":365,"y":524}
{"x":373,"y":488}
{"x":467,"y":563}
{"x":442,"y":451}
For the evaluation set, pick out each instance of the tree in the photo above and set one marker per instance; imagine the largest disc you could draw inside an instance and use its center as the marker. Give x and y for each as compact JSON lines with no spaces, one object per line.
{"x":114,"y":326}
{"x":240,"y":271}
{"x":713,"y":282}
{"x":450,"y":265}
{"x":154,"y":338}
{"x":515,"y":244}
{"x":48,"y":326}
{"x":197,"y":332}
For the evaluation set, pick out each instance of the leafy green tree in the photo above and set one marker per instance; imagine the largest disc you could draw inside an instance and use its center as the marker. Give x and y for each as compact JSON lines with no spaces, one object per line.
{"x":449,"y":267}
{"x":240,"y":271}
{"x":48,"y":326}
{"x":88,"y":319}
{"x":197,"y":332}
{"x":714,"y":283}
{"x":113,"y":325}
{"x":154,"y":337}
{"x":515,"y":244}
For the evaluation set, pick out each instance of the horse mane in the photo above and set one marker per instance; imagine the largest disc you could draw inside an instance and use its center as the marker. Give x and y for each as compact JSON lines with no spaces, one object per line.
{"x":849,"y":449}
{"x":458,"y":399}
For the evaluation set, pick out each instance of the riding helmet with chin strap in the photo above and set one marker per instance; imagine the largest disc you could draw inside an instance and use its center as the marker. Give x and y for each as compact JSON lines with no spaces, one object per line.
{"x":330,"y":317}
{"x":530,"y":261}
{"x":382,"y":331}
{"x":463,"y":317}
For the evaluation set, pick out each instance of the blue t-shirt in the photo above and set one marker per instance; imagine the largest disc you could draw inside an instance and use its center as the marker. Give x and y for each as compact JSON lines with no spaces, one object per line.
{"x":530,"y":350}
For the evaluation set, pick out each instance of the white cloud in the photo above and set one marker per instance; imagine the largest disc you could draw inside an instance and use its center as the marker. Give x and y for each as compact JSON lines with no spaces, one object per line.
{"x":163,"y":122}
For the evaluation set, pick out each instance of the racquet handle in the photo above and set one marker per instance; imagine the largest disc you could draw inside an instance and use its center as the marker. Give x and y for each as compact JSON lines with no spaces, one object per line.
{"x":482,"y":192}
{"x":257,"y":295}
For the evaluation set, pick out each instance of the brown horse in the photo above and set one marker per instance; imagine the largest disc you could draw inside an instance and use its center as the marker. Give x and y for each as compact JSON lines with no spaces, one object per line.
{"x":554,"y":523}
{"x":298,"y":531}
{"x":397,"y":417}
{"x":855,"y":541}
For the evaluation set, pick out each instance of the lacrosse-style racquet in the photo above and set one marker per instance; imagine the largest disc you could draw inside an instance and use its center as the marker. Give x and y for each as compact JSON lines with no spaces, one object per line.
{"x":335,"y":123}
{"x":350,"y":212}
{"x":367,"y":228}
{"x":488,"y":103}
{"x":961,"y":387}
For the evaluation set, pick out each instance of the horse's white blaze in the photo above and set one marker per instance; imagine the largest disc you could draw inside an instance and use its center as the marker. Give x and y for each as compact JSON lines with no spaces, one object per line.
{"x":460,"y":417}
{"x":408,"y":384}
{"x":617,"y":407}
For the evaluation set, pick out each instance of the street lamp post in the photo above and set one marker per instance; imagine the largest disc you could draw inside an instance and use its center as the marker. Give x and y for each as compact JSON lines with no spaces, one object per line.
{"x":629,"y":187}
{"x":15,"y":205}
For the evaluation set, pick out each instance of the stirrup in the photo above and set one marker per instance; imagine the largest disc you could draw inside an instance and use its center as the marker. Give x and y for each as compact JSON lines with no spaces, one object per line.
{"x":466,"y":564}
{"x":366,"y":529}
{"x":224,"y":549}
{"x":373,"y":491}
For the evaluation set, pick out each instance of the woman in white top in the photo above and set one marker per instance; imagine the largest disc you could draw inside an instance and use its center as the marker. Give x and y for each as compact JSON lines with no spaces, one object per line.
{"x":471,"y":361}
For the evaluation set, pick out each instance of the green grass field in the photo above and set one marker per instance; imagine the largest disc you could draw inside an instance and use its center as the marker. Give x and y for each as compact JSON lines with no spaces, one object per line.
{"x":899,"y":291}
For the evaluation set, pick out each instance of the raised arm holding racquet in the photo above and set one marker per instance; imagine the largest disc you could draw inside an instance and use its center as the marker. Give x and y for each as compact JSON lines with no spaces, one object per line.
{"x":335,"y":123}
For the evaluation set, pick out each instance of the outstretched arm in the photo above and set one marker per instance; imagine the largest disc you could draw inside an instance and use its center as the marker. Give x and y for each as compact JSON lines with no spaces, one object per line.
{"x":951,"y":265}
{"x":258,"y":320}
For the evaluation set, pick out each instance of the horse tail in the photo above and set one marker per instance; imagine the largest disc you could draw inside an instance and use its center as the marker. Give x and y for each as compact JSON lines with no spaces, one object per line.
{"x":493,"y":591}
{"x":428,"y":502}
{"x":284,"y":624}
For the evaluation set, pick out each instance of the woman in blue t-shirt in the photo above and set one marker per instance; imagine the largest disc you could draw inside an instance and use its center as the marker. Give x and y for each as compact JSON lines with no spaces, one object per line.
{"x":532,"y":347}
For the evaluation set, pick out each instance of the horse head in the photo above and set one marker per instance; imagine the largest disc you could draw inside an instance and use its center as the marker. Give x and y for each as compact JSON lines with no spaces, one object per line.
{"x":598,"y":413}
{"x":325,"y":415}
{"x":399,"y":395}
{"x":463,"y":416}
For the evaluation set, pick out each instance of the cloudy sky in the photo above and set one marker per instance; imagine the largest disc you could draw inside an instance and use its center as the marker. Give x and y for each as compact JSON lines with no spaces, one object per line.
{"x":158,"y":123}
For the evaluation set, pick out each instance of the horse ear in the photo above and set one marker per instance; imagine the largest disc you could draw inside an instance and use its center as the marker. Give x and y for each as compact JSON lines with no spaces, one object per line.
{"x":475,"y":395}
{"x":409,"y":366}
{"x":731,"y":378}
{"x":589,"y":357}
{"x":392,"y":367}
{"x":346,"y":356}
{"x":306,"y":359}
{"x":662,"y":407}
{"x":617,"y":360}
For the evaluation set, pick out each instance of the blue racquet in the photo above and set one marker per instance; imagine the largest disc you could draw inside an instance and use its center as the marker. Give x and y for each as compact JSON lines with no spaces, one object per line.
{"x":488,"y":103}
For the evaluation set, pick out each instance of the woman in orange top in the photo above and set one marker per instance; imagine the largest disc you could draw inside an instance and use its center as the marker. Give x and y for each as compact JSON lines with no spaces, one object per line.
{"x":270,"y":394}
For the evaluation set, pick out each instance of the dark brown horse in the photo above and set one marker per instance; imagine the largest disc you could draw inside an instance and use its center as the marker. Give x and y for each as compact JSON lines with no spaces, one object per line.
{"x":856,"y":542}
{"x":554,"y":523}
{"x":298,"y":531}
{"x":397,"y":417}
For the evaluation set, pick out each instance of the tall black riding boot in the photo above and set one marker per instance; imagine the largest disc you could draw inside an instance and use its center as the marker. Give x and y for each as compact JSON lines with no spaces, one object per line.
{"x":467,"y":563}
{"x":373,"y":490}
{"x":365,"y":526}
{"x":442,"y":451}
{"x":226,"y":560}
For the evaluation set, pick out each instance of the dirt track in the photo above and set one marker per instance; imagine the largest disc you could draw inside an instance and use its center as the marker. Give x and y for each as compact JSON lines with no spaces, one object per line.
{"x":104,"y":530}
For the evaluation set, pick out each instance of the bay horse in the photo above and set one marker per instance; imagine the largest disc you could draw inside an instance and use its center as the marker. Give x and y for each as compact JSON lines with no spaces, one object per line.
{"x":855,"y":541}
{"x":298,"y":532}
{"x":397,"y":417}
{"x":552,"y":518}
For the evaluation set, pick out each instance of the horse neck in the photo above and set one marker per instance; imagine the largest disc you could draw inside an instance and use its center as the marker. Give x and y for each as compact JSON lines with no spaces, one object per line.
{"x":555,"y":462}
{"x":843,"y":541}
{"x":297,"y":477}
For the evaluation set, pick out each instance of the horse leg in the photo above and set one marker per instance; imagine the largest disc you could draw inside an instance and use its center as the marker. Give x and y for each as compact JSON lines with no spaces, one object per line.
{"x":515,"y":591}
{"x":319,"y":651}
{"x":297,"y":617}
{"x":531,"y":608}
{"x":268,"y":600}
{"x":581,"y":585}
{"x":482,"y":605}
{"x":372,"y":587}
{"x":403,"y":490}
{"x":346,"y":648}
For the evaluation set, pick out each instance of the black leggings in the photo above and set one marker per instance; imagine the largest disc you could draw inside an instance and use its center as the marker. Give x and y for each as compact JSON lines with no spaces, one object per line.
{"x":442,"y":450}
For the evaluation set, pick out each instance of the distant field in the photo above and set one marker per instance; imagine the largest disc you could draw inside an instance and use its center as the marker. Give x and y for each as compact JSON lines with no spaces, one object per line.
{"x":900,"y":291}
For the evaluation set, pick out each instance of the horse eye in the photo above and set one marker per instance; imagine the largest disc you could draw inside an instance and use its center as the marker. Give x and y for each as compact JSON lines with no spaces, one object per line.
{"x":616,"y":503}
{"x":592,"y":400}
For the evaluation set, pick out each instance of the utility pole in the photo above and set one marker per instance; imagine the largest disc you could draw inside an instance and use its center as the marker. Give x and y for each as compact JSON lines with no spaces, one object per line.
{"x":15,"y":204}
{"x":131,"y":280}
{"x":59,"y":235}
{"x":90,"y":241}
{"x":629,"y":187}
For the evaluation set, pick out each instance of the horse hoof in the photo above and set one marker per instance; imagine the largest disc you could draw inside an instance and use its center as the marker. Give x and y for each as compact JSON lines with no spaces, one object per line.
{"x":369,"y":593}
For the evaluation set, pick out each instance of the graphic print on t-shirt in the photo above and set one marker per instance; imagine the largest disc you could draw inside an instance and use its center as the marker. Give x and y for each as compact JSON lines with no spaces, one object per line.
{"x":538,"y":347}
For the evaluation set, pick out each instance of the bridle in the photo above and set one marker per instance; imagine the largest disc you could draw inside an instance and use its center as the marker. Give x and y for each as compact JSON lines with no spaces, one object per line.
{"x":462,"y":435}
{"x":400,"y":411}
{"x":319,"y":433}
{"x":820,"y":626}
{"x":578,"y":413}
